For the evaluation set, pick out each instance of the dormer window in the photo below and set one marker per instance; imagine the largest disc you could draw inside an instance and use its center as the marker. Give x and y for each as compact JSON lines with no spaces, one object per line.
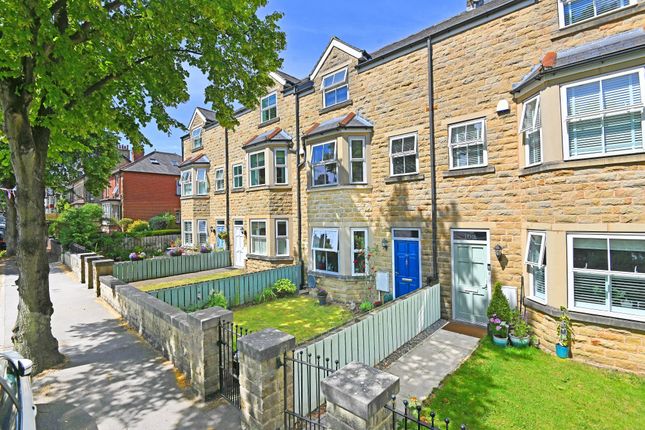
{"x":269,"y":107}
{"x":196,"y":136}
{"x":575,"y":11}
{"x":335,"y":88}
{"x":154,"y":161}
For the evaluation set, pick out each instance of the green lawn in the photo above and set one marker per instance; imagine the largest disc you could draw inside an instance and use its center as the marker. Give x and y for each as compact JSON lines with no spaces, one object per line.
{"x":302,"y":317}
{"x":191,"y":280}
{"x":527,"y":389}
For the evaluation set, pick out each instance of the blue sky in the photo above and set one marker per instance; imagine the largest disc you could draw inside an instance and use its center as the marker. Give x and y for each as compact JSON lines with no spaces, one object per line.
{"x":309,"y":25}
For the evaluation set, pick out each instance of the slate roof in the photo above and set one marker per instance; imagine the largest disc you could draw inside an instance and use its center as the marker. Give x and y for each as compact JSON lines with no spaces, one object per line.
{"x":197,"y":159}
{"x":605,"y":47}
{"x":287,"y":77}
{"x":208,"y":114}
{"x":167,"y":164}
{"x":348,"y":121}
{"x":275,"y":135}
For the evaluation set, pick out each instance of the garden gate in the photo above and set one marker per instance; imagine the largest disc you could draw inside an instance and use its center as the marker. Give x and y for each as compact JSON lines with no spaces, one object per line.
{"x":229,"y":362}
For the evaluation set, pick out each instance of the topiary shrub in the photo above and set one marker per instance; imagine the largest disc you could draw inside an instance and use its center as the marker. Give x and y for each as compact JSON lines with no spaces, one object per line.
{"x":284,"y":287}
{"x":162,"y":221}
{"x":138,"y":226}
{"x":499,"y":304}
{"x":217,"y":299}
{"x":265,"y":296}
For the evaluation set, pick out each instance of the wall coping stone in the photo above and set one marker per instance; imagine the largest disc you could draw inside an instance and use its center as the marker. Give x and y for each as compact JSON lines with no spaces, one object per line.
{"x":266,"y":344}
{"x":110,"y":281}
{"x":103,"y":262}
{"x":84,"y":254}
{"x":360,"y":389}
{"x":209,"y":317}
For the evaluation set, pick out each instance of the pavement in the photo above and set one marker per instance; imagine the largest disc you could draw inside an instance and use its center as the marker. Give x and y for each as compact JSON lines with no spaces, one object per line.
{"x":112,"y":378}
{"x":424,"y":367}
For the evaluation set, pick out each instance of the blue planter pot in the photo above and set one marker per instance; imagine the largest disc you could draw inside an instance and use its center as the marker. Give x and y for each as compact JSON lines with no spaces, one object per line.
{"x":500,"y":341}
{"x":520,"y":342}
{"x":561,"y":351}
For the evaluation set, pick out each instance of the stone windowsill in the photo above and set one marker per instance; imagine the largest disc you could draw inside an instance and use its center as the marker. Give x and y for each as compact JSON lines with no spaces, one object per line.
{"x":586,"y":318}
{"x":201,"y":148}
{"x":273,"y":259}
{"x":336,"y":276}
{"x":238,"y":190}
{"x":204,"y":197}
{"x":616,"y":15}
{"x":405,"y":178}
{"x":220,"y":192}
{"x":583,"y":163}
{"x":269,"y":122}
{"x":469,"y":172}
{"x":358,"y":187}
{"x":269,"y":188}
{"x":336,"y":106}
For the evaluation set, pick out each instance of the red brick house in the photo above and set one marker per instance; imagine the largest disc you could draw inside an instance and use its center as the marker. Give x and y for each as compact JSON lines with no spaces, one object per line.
{"x":143,"y":188}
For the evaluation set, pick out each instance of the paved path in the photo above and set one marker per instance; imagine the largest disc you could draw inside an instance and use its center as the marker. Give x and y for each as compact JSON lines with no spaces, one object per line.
{"x":424,"y":367}
{"x":112,"y":378}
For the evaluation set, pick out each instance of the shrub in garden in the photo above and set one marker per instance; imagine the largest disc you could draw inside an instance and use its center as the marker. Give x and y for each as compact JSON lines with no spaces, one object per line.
{"x":284,"y":287}
{"x":124,"y":223}
{"x":176,"y":252}
{"x":499,"y":305}
{"x":138,"y":226}
{"x":162,"y":221}
{"x":217,"y":299}
{"x":366,"y":306}
{"x":80,"y":225}
{"x":266,"y":295}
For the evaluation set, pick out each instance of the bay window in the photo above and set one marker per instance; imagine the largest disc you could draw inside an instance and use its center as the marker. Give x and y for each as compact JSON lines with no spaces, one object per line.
{"x":359,"y":251}
{"x":607,"y":274}
{"x":536,"y":264}
{"x":324,"y":247}
{"x":335,"y":88}
{"x":187,"y":234}
{"x":324,"y":165}
{"x":201,"y":181}
{"x":281,"y":237}
{"x":280,"y":161}
{"x":531,"y":129}
{"x":257,"y":170}
{"x":604,"y":115}
{"x":467,"y":144}
{"x":259,"y":237}
{"x":404,"y":159}
{"x":187,"y":183}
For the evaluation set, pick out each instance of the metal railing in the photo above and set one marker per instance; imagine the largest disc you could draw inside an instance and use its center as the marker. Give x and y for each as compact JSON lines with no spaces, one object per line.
{"x":229,"y":361}
{"x":411,"y":417}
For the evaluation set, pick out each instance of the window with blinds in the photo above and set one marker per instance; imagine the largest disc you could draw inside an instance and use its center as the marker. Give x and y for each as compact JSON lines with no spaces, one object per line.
{"x":467,"y":141}
{"x":604,"y":116}
{"x":575,"y":11}
{"x":531,"y":129}
{"x":536,"y":263}
{"x":607,"y":274}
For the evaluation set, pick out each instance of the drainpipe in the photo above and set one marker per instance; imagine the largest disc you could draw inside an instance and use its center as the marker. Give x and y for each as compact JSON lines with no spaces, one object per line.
{"x":433,"y":165}
{"x":228,"y":192}
{"x":298,"y":184}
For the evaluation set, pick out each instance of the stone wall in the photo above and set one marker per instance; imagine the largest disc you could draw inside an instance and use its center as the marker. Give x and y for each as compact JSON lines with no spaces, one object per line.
{"x":190,"y":341}
{"x":603,"y":346}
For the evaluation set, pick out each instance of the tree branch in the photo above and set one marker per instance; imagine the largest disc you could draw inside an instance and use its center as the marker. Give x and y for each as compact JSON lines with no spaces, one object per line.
{"x":83,"y":33}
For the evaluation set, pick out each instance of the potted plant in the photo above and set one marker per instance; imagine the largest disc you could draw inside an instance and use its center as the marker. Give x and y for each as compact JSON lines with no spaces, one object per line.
{"x":498,"y":308}
{"x":366,"y":306}
{"x":176,"y":252}
{"x":223,"y":235}
{"x":137,"y":256}
{"x":205,"y":249}
{"x":322,"y":296}
{"x":565,"y":334}
{"x":519,"y":334}
{"x":499,"y":330}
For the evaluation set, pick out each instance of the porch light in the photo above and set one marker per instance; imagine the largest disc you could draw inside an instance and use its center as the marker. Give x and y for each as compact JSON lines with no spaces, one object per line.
{"x":498,"y":251}
{"x":384,"y":244}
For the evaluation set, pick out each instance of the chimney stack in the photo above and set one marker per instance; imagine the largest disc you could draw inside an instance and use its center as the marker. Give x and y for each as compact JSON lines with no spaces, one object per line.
{"x":124,"y":151}
{"x":137,"y":154}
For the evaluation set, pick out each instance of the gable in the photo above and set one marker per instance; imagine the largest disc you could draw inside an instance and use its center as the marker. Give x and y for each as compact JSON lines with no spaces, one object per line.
{"x":335,"y":51}
{"x":197,"y":120}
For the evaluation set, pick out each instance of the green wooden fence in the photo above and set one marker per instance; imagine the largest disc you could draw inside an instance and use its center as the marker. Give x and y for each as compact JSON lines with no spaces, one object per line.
{"x":369,"y":341}
{"x":131,"y":271}
{"x":238,"y":290}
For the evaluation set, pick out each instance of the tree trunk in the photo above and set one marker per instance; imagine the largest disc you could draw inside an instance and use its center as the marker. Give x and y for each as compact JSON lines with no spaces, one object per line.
{"x":11,"y":231}
{"x":32,"y":334}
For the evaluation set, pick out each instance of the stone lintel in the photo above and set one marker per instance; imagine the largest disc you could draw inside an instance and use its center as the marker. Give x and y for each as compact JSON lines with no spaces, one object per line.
{"x":266,"y":344}
{"x":361,"y":389}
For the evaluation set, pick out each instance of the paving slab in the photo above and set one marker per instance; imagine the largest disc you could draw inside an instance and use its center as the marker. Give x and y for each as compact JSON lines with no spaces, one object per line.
{"x":424,"y":367}
{"x":112,"y":378}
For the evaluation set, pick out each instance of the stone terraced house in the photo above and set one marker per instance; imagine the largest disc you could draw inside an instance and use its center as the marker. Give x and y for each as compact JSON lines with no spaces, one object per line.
{"x":503,"y":144}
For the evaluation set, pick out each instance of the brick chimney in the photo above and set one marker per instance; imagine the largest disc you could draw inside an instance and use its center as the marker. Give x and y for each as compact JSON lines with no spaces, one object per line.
{"x":137,"y":154}
{"x":124,"y":151}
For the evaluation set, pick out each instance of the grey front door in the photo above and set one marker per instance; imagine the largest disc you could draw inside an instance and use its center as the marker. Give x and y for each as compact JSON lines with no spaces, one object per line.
{"x":471,"y":275}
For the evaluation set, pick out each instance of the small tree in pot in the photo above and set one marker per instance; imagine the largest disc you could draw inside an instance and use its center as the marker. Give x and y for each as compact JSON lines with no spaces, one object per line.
{"x":519,"y":335}
{"x":565,"y":334}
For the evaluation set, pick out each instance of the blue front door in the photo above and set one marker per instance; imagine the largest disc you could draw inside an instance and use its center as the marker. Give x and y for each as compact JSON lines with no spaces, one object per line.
{"x":406,"y":267}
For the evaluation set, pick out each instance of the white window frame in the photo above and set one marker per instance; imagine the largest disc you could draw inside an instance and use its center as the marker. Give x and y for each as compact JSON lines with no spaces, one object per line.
{"x":405,"y":153}
{"x":178,"y":186}
{"x":220,"y":183}
{"x":186,"y":179}
{"x":200,"y":223}
{"x":198,"y":182}
{"x":484,"y":142}
{"x":602,"y":114}
{"x":268,"y":108}
{"x":324,"y":163}
{"x":240,"y":176}
{"x":527,"y":129}
{"x":335,"y":86}
{"x":277,"y":166}
{"x":252,"y":169}
{"x":570,"y":270}
{"x":362,"y":160}
{"x":252,"y":236}
{"x":355,"y":250}
{"x":561,"y":12}
{"x":196,"y":136}
{"x":539,"y":265}
{"x":283,"y":237}
{"x":185,"y":231}
{"x":314,"y":249}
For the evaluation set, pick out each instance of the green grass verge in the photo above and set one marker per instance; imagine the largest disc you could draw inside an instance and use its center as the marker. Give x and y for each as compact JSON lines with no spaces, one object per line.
{"x":513,"y":388}
{"x":193,"y":280}
{"x":302,"y":317}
